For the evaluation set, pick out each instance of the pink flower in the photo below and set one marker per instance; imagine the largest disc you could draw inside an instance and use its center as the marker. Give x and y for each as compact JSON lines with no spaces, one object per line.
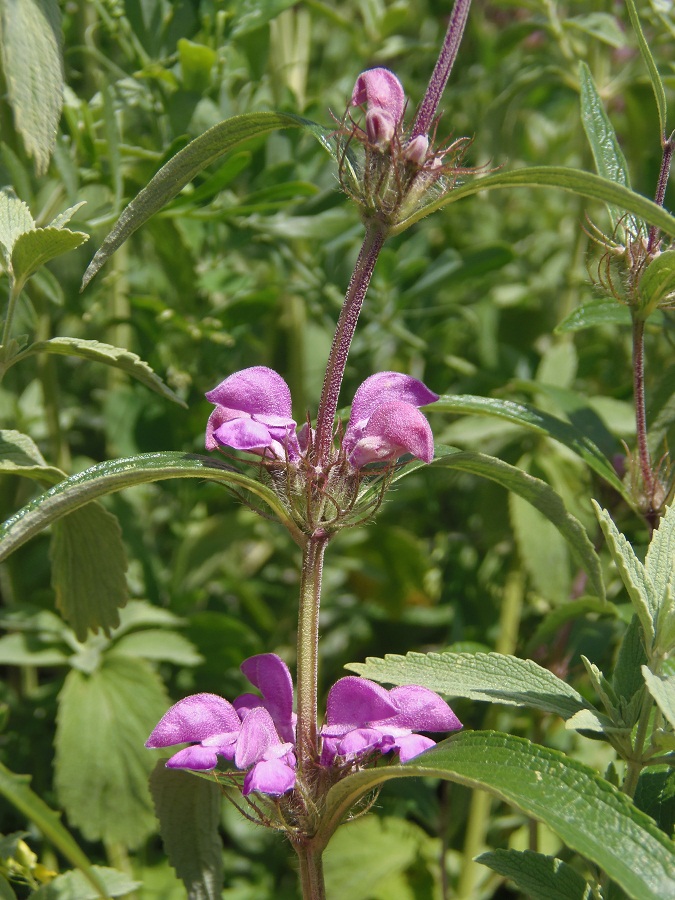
{"x":382,"y":93}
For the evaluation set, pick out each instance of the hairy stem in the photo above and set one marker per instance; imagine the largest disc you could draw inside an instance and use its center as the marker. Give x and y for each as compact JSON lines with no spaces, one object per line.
{"x":666,"y":160}
{"x":641,"y":416}
{"x":308,"y":647}
{"x":311,"y":873}
{"x":14,"y":291}
{"x":439,"y":77}
{"x":344,"y":332}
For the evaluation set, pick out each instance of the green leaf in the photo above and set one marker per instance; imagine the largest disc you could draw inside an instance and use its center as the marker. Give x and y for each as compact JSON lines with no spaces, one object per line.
{"x":588,"y":814}
{"x":600,"y":25}
{"x":159,"y":645}
{"x":648,"y":59}
{"x":539,"y":877}
{"x":73,"y":886}
{"x":188,"y":810}
{"x":627,"y":676}
{"x":252,"y":15}
{"x":108,"y":477}
{"x":637,"y":582}
{"x":29,"y":650}
{"x":607,"y":153}
{"x":657,"y":283}
{"x":491,"y":677}
{"x":6,"y":892}
{"x":594,"y":313}
{"x":34,"y":248}
{"x":584,"y":184}
{"x":15,"y":220}
{"x":19,"y":455}
{"x":662,"y":689}
{"x":117,"y":357}
{"x":534,"y":420}
{"x":536,"y":492}
{"x":102,"y":766}
{"x":542,"y":549}
{"x":33,"y":68}
{"x":88,"y":569}
{"x":660,"y":558}
{"x":16,"y":790}
{"x":182,"y":168}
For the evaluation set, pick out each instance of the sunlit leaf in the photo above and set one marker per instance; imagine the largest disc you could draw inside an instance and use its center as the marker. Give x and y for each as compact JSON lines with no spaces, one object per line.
{"x":539,"y":877}
{"x":648,"y":59}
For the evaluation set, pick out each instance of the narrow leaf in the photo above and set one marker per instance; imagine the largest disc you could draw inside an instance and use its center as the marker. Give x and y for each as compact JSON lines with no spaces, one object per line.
{"x":15,"y":220}
{"x":662,"y":689}
{"x":534,"y":420}
{"x":596,"y":312}
{"x":584,"y":184}
{"x":607,"y":153}
{"x":637,"y":582}
{"x":660,"y":558}
{"x":16,"y":790}
{"x":118,"y":357}
{"x":34,"y":248}
{"x":102,"y":766}
{"x":33,"y":68}
{"x":648,"y":59}
{"x":539,"y":877}
{"x":158,"y":644}
{"x":188,"y":810}
{"x":19,"y":455}
{"x":88,"y":569}
{"x":589,"y":815}
{"x":536,"y":492}
{"x":108,"y":477}
{"x":491,"y":677}
{"x":182,"y":168}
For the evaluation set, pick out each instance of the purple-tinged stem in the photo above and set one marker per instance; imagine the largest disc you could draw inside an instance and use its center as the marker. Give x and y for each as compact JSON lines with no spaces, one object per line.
{"x":344,"y":332}
{"x":640,"y":414}
{"x":311,"y":873}
{"x":439,"y":77}
{"x":666,"y":160}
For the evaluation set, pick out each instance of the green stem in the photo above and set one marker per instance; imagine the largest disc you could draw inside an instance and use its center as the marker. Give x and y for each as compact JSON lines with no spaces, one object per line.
{"x":308,"y":650}
{"x":14,"y":291}
{"x":311,"y":873}
{"x":635,"y":764}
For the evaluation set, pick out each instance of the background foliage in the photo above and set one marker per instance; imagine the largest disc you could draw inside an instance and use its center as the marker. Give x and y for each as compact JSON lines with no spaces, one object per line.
{"x":248,"y":267}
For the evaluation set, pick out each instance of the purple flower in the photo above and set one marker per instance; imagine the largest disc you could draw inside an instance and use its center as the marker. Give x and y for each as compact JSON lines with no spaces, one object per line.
{"x":362,"y":717}
{"x":246,"y":732}
{"x":382,"y":93}
{"x":253,"y":413}
{"x":385,"y":422}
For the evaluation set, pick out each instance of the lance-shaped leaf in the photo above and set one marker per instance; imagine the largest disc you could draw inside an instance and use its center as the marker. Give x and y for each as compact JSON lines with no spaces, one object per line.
{"x":16,"y":790}
{"x":539,"y":877}
{"x":607,"y":153}
{"x":536,"y":492}
{"x":588,"y":814}
{"x":535,"y":420}
{"x":648,"y":59}
{"x":182,"y":168}
{"x":662,"y":689}
{"x":188,"y":810}
{"x":31,"y":59}
{"x":575,"y":181}
{"x":660,"y":558}
{"x":118,"y":357}
{"x":599,"y":311}
{"x":108,"y":477}
{"x":492,"y":677}
{"x":20,"y":455}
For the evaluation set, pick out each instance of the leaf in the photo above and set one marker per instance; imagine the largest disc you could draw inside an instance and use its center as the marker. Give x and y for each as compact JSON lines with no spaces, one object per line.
{"x":588,"y":814}
{"x":252,"y":15}
{"x":6,"y":892}
{"x":118,"y":357}
{"x":30,"y":650}
{"x":539,"y":877}
{"x":102,"y":766}
{"x":627,"y":676}
{"x":637,"y":582}
{"x":660,"y":558}
{"x":182,"y":168}
{"x":657,"y":283}
{"x":594,"y":313}
{"x":585,"y":184}
{"x":492,"y":677}
{"x":600,"y":25}
{"x":73,"y":886}
{"x":108,"y":477}
{"x":535,"y":420}
{"x":34,"y":248}
{"x":33,"y":68}
{"x":15,"y":220}
{"x":662,"y":689}
{"x":16,"y":790}
{"x":159,"y":645}
{"x":19,"y":455}
{"x":542,"y":549}
{"x":88,"y":569}
{"x":536,"y":492}
{"x":607,"y":153}
{"x":188,"y":810}
{"x":648,"y":59}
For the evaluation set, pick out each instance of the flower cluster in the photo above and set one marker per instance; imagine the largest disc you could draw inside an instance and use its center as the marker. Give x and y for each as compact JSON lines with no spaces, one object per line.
{"x":253,"y":413}
{"x":257,"y":733}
